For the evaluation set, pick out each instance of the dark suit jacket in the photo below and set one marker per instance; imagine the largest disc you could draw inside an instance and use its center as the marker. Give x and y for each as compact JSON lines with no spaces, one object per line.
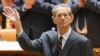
{"x":91,"y":12}
{"x":1,"y":8}
{"x":38,"y":18}
{"x":76,"y":45}
{"x":3,"y":17}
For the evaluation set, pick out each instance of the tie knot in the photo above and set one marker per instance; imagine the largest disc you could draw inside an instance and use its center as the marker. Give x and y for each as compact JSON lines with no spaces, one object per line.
{"x":60,"y":37}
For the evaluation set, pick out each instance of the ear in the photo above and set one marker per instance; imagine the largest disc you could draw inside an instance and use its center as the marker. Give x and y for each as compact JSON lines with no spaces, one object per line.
{"x":53,"y":19}
{"x":72,"y":17}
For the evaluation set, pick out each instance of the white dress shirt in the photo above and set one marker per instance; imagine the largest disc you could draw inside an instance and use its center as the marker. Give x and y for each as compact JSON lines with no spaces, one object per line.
{"x":65,"y":36}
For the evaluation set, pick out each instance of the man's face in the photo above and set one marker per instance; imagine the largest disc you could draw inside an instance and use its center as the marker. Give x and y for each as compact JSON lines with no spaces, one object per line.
{"x":62,"y":17}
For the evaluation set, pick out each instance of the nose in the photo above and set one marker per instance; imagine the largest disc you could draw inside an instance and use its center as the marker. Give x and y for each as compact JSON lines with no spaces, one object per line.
{"x":62,"y":17}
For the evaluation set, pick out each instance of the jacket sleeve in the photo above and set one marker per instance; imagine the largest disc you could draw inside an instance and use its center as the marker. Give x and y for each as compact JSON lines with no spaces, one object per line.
{"x":18,"y":4}
{"x":45,"y":6}
{"x":93,"y":5}
{"x":27,"y":44}
{"x":1,"y":8}
{"x":74,"y":5}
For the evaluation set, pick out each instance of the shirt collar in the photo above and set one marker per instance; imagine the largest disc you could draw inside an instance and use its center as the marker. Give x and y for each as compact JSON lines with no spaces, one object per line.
{"x":66,"y":35}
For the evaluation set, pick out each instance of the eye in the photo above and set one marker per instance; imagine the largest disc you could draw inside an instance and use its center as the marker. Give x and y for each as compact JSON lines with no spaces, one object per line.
{"x":62,"y":14}
{"x":59,"y":15}
{"x":65,"y":15}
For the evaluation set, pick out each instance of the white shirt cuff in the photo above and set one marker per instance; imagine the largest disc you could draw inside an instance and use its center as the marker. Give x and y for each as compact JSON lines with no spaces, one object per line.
{"x":19,"y":34}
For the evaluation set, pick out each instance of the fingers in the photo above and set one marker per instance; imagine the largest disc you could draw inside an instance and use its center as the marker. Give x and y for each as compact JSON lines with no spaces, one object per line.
{"x":9,"y":13}
{"x":5,"y":14}
{"x":8,"y":10}
{"x":16,"y":12}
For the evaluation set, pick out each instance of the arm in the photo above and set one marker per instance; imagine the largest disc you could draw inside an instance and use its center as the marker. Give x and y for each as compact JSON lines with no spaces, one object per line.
{"x":26,"y":4}
{"x":45,"y":6}
{"x":23,"y":39}
{"x":74,"y":5}
{"x":1,"y":8}
{"x":4,"y":3}
{"x":93,"y":5}
{"x":29,"y":45}
{"x":40,"y":6}
{"x":18,"y":4}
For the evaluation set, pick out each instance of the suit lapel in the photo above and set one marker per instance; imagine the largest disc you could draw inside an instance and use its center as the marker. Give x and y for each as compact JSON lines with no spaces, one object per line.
{"x":54,"y":44}
{"x":55,"y":49}
{"x":68,"y":44}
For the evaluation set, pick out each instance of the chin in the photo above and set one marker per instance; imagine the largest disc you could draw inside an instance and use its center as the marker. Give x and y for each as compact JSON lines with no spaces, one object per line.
{"x":64,"y":26}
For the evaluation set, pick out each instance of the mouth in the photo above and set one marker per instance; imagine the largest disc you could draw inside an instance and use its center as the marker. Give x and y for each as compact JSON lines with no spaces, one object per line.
{"x":62,"y":22}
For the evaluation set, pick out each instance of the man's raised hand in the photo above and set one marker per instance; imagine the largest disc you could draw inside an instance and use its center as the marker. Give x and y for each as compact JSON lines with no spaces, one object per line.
{"x":11,"y":13}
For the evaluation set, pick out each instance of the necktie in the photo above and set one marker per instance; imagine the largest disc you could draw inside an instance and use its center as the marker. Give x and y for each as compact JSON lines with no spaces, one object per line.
{"x":59,"y":50}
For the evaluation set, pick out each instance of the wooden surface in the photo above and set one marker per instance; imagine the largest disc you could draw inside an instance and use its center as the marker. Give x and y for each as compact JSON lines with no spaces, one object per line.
{"x":96,"y":51}
{"x":8,"y":34}
{"x":18,"y":53}
{"x":23,"y":53}
{"x":12,"y":48}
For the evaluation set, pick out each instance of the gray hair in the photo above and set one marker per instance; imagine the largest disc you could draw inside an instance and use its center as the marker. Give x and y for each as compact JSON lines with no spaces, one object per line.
{"x":61,"y":5}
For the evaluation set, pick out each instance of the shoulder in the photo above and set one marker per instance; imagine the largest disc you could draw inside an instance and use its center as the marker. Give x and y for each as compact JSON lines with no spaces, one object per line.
{"x":49,"y":36}
{"x":50,"y":33}
{"x":79,"y":38}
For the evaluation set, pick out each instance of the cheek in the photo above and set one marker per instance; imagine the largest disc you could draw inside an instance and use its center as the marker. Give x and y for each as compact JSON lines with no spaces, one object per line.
{"x":55,"y":21}
{"x":68,"y":21}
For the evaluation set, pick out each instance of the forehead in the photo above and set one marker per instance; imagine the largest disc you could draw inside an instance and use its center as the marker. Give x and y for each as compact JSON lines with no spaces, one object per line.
{"x":62,"y":10}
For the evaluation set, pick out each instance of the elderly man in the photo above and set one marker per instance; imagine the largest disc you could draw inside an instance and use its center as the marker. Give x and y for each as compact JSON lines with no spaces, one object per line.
{"x":63,"y":42}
